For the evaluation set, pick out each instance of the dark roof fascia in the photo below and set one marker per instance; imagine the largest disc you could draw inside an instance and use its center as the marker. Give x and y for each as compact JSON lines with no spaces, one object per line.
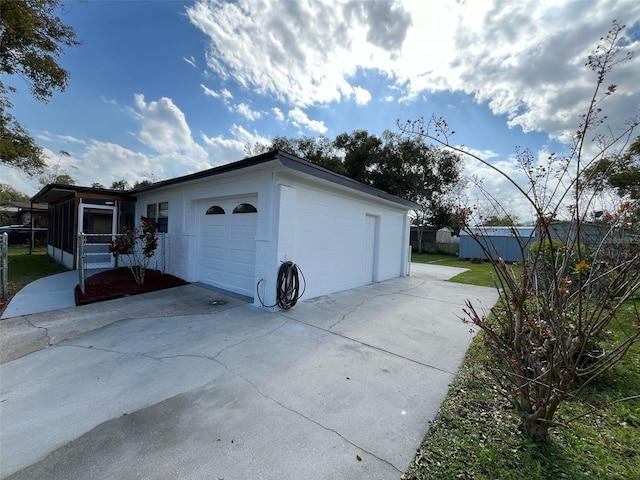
{"x":56,"y":191}
{"x":286,"y":160}
{"x":315,"y":170}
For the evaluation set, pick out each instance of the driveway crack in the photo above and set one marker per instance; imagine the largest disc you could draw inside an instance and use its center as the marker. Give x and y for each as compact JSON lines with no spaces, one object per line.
{"x":386,"y":294}
{"x":213,"y":358}
{"x":275,"y":329}
{"x":348,"y":313}
{"x":380,"y":349}
{"x":46,"y":330}
{"x":315,"y":422}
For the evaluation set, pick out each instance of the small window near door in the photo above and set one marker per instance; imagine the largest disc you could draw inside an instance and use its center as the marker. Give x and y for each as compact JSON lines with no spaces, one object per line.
{"x":245,"y":208}
{"x":215,"y":210}
{"x":159,"y":213}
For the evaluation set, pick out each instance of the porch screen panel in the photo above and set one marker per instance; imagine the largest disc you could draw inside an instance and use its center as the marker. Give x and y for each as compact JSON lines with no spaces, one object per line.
{"x":68,"y":231}
{"x":51,"y":224}
{"x":56,"y":225}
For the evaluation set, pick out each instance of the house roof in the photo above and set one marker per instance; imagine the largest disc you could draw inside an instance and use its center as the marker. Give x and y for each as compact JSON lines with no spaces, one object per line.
{"x":56,"y":191}
{"x":284,"y":159}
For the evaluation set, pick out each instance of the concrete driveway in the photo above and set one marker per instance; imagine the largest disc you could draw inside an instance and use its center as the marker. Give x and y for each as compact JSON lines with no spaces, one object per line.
{"x":341,"y":386}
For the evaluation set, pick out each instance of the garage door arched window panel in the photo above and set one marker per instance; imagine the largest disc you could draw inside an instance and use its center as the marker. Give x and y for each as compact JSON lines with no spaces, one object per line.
{"x":215,"y":210}
{"x":245,"y":208}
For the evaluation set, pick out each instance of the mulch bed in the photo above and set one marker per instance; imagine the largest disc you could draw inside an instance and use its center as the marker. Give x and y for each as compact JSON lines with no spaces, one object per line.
{"x":119,"y":282}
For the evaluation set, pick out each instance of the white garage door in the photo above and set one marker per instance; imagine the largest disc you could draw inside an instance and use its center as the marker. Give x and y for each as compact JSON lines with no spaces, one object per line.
{"x":228,"y":245}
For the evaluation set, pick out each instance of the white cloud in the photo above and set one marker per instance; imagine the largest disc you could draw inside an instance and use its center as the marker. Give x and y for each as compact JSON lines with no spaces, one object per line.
{"x":164,"y":128}
{"x":300,"y":119}
{"x":224,"y":93}
{"x":191,"y":61}
{"x":208,"y":92}
{"x":245,"y":110}
{"x":44,"y":136}
{"x":245,"y":136}
{"x":278,"y":114}
{"x":523,"y":59}
{"x":362,"y":95}
{"x":228,"y":149}
{"x":105,"y":162}
{"x":109,"y":101}
{"x":311,"y":47}
{"x":492,"y":190}
{"x":18,"y":180}
{"x":70,"y":139}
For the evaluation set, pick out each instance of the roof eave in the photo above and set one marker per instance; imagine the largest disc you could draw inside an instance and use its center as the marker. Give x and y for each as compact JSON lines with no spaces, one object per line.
{"x":286,"y":160}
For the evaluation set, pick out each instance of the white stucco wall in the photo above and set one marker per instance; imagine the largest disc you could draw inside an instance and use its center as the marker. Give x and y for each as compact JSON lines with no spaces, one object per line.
{"x":328,"y":232}
{"x":186,"y":202}
{"x":318,"y":226}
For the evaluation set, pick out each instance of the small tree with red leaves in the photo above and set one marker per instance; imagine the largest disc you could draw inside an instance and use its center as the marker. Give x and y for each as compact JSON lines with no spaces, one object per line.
{"x":135,"y":247}
{"x":545,"y":333}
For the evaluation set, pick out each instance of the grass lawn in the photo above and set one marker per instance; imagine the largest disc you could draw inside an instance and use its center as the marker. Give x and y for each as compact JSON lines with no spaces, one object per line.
{"x":25,"y":268}
{"x":475,"y":434}
{"x":479,"y":273}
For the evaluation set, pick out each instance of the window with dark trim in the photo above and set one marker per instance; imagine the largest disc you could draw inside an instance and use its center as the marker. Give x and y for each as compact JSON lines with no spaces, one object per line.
{"x":159,"y":213}
{"x":215,"y":210}
{"x":245,"y":208}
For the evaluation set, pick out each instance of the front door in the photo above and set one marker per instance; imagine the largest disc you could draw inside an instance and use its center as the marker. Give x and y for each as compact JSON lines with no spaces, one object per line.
{"x":98,"y":224}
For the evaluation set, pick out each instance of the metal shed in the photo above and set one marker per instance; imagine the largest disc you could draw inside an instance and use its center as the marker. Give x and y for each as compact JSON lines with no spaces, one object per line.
{"x":502,"y":241}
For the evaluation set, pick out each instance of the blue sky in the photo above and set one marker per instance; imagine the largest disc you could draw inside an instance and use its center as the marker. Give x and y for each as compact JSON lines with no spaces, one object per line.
{"x":165,"y":88}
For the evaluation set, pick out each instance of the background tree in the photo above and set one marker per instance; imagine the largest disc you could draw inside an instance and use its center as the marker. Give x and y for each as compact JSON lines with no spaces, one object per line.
{"x":121,"y":184}
{"x":616,"y":178}
{"x":360,"y":150}
{"x":319,"y":150}
{"x":32,"y":41}
{"x":8,"y":194}
{"x":506,"y":220}
{"x":620,"y":174}
{"x":545,"y":334}
{"x":97,"y":185}
{"x":142,"y":183}
{"x":406,"y":167}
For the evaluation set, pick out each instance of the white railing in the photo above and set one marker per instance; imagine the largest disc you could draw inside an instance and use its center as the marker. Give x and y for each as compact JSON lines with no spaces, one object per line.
{"x":93,"y":253}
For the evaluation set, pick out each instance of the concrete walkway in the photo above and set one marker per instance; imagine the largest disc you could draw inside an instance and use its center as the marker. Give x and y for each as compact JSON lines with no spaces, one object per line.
{"x":46,"y":294}
{"x":341,"y":386}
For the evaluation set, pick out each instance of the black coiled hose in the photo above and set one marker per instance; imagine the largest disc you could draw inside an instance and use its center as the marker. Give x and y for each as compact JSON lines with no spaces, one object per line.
{"x":287,"y":286}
